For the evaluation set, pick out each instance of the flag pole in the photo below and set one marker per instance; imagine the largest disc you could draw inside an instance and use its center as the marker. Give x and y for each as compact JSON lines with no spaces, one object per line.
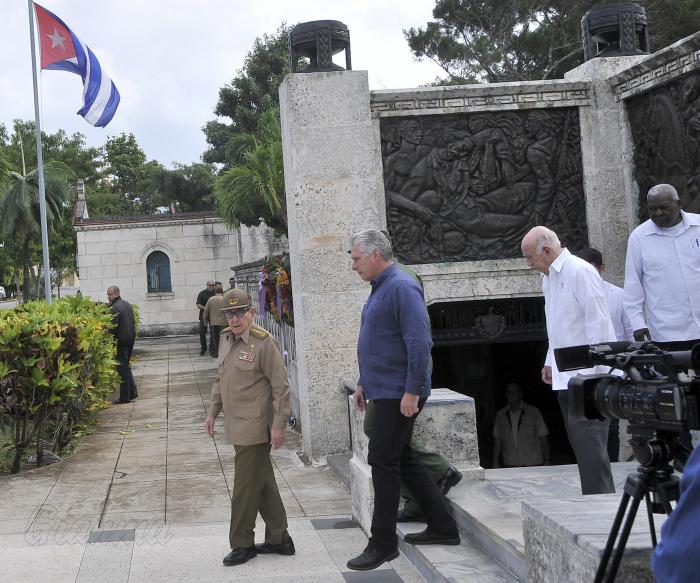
{"x":40,"y":162}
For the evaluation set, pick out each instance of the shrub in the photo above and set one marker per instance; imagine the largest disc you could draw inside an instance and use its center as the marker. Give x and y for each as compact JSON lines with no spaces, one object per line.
{"x":57,"y":368}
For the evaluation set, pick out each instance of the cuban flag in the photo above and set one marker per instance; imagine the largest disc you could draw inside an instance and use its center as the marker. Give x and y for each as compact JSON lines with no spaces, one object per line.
{"x":61,"y":49}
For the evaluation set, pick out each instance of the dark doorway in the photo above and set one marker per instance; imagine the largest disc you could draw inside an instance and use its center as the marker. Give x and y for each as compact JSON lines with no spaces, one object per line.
{"x":483,"y":368}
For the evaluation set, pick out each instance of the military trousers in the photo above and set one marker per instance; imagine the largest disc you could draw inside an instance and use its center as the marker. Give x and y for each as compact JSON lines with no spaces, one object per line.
{"x":434,"y":463}
{"x":255,"y":490}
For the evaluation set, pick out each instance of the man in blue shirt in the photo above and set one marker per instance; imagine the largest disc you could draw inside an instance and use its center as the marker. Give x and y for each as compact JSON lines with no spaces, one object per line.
{"x":393,"y":352}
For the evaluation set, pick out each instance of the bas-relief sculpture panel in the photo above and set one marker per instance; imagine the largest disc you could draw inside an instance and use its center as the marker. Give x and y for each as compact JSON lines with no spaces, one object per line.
{"x":665,"y":126}
{"x":463,"y":187}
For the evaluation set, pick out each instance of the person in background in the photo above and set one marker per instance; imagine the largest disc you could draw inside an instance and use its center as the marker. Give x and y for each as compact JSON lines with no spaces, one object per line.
{"x":519,"y":433}
{"x":202,"y":299}
{"x":124,"y":331}
{"x":215,"y":318}
{"x":623,"y":331}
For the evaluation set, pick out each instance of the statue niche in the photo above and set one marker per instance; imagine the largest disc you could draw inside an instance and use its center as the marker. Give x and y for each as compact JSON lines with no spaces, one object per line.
{"x":466,"y":187}
{"x":665,"y":125}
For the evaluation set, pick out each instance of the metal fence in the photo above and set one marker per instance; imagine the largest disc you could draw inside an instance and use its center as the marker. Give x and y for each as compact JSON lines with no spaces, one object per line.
{"x":247,"y":277}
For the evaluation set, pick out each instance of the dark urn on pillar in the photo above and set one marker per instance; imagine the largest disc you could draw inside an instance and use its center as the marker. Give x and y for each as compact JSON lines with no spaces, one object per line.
{"x":319,"y":40}
{"x":614,"y":31}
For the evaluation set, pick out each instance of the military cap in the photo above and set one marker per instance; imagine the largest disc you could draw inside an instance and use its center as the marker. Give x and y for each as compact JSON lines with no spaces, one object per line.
{"x":236,"y":299}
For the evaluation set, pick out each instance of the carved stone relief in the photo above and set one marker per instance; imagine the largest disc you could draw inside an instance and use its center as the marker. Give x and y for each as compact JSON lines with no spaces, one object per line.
{"x":665,"y":126}
{"x":469,"y":186}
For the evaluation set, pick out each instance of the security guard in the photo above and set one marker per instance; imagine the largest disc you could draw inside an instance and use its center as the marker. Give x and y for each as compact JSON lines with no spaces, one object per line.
{"x":252,"y":389}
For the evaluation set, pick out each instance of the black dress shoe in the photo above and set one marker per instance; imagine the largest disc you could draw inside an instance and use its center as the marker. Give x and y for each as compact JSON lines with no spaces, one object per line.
{"x":239,"y":555}
{"x":410,"y":515}
{"x":284,"y":548}
{"x":201,"y":352}
{"x":451,"y":478}
{"x":371,"y":558}
{"x":118,"y":402}
{"x":430,"y":537}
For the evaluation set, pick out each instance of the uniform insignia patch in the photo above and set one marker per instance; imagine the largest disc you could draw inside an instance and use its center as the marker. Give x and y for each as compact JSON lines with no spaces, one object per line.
{"x":256,"y":330}
{"x":247,"y":356}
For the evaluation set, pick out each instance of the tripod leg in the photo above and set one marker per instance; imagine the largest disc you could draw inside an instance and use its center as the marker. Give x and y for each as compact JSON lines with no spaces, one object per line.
{"x":621,"y":509}
{"x":650,"y":516}
{"x":624,"y":535}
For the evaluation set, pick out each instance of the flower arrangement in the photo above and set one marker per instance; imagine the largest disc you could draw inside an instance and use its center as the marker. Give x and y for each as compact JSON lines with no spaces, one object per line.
{"x":275,"y":289}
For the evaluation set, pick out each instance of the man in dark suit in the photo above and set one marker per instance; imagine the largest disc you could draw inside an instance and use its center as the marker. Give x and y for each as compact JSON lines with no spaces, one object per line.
{"x":124,"y":331}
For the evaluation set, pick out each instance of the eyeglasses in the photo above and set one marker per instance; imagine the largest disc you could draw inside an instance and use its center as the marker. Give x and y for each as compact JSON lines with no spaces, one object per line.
{"x":210,"y":285}
{"x":237,"y":313}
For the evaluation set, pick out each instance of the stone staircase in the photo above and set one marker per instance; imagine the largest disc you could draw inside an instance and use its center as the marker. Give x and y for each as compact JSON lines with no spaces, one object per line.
{"x":494,"y":515}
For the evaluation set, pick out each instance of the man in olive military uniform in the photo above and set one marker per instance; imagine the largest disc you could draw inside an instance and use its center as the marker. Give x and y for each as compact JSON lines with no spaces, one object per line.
{"x":253,"y":392}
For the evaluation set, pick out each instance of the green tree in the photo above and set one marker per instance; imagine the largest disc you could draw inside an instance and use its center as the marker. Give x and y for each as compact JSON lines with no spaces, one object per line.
{"x":19,"y":208}
{"x":251,"y":92}
{"x":189,"y":187}
{"x":252,"y":191}
{"x":476,"y":41}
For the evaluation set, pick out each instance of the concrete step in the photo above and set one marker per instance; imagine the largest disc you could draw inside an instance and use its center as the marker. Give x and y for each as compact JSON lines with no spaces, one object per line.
{"x":500,"y":539}
{"x":463,"y":563}
{"x":478,"y":559}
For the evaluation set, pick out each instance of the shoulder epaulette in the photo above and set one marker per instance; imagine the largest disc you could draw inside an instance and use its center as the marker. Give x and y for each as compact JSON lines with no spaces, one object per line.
{"x":227,"y":329}
{"x":259,"y":332}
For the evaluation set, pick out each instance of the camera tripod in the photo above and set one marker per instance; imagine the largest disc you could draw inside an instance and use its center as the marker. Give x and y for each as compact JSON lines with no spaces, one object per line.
{"x":654,"y":478}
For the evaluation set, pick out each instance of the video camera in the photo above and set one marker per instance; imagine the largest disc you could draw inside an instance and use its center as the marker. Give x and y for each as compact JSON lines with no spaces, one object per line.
{"x":654,"y":391}
{"x":658,"y":392}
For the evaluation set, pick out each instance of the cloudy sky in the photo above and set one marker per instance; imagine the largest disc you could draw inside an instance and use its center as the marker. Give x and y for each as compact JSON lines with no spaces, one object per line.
{"x":168,"y":58}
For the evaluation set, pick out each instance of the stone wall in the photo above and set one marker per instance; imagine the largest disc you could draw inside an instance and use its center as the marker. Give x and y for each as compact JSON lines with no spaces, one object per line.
{"x":114,"y":252}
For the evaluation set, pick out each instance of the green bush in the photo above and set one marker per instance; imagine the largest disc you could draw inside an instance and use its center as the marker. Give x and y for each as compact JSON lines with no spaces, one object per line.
{"x":57,"y":368}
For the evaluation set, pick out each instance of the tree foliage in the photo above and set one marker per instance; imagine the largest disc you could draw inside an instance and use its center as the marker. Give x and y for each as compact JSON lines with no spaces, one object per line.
{"x":119,"y":181}
{"x":476,"y":41}
{"x":251,"y":92}
{"x":252,"y":191}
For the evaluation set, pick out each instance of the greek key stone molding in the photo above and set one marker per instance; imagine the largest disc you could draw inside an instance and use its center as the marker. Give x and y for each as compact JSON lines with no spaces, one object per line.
{"x":465,"y":98}
{"x":660,"y":68}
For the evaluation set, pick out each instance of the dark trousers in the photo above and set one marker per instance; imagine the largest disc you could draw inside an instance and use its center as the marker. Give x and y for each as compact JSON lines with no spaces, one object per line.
{"x":255,"y":490}
{"x":127,"y":386}
{"x":589,"y":440}
{"x":393,"y":460}
{"x":202,"y":335}
{"x":434,"y":463}
{"x":215,"y":336}
{"x":614,"y":440}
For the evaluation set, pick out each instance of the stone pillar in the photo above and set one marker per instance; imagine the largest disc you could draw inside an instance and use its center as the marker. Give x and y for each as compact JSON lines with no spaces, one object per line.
{"x":334,"y":186}
{"x":607,"y":150}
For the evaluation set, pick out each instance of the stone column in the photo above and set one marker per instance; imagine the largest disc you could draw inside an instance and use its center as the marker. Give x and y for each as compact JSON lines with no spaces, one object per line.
{"x":607,"y":150}
{"x":333,"y":180}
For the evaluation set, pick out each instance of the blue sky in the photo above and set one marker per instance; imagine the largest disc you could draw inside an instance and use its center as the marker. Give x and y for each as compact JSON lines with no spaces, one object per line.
{"x":169,"y":59}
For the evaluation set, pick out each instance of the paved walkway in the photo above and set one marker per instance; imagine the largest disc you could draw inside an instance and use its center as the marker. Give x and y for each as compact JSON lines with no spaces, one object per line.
{"x":146,"y":498}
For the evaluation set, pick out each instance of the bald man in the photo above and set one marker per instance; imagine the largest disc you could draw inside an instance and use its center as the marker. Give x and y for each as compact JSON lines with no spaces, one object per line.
{"x":662,"y":271}
{"x":577,"y":313}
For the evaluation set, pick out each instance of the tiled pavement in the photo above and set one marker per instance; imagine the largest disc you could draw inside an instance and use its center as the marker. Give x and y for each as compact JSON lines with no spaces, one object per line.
{"x":146,"y":498}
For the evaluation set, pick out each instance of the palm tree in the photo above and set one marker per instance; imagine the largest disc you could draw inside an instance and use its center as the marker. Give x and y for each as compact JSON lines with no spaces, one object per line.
{"x":19,"y":207}
{"x":253,"y":189}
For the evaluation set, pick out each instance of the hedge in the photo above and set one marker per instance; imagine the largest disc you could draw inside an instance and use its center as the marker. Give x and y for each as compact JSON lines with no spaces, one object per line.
{"x":57,"y":369}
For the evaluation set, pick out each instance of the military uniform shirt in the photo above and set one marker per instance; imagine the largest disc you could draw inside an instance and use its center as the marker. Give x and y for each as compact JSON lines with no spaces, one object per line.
{"x":251,"y":386}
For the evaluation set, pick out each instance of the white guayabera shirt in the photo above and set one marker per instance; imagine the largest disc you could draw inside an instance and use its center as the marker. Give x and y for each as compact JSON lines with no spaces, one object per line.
{"x":576,"y":311}
{"x":662,"y":279}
